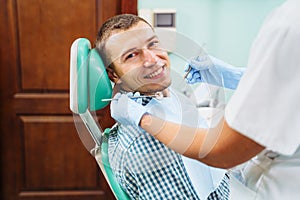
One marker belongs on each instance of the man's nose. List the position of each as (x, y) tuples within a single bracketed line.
[(149, 57)]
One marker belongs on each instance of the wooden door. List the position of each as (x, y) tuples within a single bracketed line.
[(42, 157)]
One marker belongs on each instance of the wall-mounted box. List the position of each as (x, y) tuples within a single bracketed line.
[(164, 18), (159, 18)]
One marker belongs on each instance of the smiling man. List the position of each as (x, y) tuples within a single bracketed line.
[(137, 60), (144, 167)]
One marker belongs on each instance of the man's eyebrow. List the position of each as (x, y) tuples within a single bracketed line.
[(151, 38)]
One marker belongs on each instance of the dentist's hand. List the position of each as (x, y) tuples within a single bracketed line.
[(195, 68), (126, 111), (205, 68)]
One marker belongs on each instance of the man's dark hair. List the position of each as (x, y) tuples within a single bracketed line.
[(115, 24)]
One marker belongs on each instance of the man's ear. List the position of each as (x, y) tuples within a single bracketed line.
[(112, 75)]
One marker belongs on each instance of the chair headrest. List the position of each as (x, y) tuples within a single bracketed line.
[(89, 82)]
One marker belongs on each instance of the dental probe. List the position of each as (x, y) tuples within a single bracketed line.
[(157, 95), (188, 71)]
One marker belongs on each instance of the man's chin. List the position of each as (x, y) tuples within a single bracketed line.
[(152, 88)]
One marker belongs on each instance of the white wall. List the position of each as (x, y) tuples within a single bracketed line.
[(226, 28)]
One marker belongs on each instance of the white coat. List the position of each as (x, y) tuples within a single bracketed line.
[(266, 106)]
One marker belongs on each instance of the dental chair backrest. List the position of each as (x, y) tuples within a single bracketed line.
[(89, 81), (89, 84)]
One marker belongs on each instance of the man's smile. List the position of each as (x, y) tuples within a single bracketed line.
[(156, 74)]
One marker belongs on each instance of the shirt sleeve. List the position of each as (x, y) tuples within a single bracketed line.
[(265, 104)]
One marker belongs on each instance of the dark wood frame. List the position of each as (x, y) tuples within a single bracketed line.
[(129, 6)]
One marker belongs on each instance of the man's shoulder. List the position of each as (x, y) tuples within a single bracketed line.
[(125, 137), (137, 141)]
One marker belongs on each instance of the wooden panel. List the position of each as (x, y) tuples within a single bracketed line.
[(45, 39), (54, 104), (54, 157), (107, 9), (47, 103), (65, 195)]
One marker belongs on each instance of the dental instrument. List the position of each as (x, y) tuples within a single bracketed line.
[(157, 95)]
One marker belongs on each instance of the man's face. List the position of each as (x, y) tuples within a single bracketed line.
[(140, 63)]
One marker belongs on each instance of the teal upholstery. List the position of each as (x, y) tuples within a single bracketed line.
[(89, 84), (116, 188)]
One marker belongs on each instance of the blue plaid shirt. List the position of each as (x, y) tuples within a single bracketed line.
[(147, 169)]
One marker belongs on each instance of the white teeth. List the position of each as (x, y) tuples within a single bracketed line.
[(153, 74)]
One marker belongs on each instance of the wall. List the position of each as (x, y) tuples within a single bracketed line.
[(226, 28)]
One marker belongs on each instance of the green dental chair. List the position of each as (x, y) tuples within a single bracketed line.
[(89, 84)]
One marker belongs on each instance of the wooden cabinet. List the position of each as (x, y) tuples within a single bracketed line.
[(42, 157)]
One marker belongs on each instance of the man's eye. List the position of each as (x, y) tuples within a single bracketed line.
[(153, 44), (131, 55)]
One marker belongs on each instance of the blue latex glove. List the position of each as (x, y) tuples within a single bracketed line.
[(125, 110), (211, 70)]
